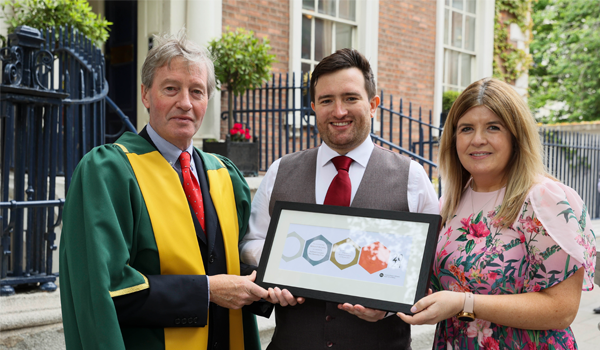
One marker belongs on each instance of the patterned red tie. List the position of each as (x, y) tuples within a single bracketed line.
[(340, 189), (191, 187)]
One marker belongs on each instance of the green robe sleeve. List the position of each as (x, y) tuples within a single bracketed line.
[(97, 235)]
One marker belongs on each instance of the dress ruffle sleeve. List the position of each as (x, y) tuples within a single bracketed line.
[(563, 217)]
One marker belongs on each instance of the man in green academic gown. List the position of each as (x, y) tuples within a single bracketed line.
[(149, 253)]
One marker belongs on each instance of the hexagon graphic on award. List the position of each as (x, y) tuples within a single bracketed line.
[(294, 244), (374, 257), (345, 253), (317, 250)]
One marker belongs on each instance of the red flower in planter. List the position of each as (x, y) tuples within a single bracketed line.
[(239, 134)]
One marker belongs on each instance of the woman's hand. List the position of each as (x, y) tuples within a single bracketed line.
[(435, 307), (551, 308)]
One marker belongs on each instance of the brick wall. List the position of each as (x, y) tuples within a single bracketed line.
[(267, 18), (406, 67), (406, 64)]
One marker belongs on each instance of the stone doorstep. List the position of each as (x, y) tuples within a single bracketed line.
[(48, 337), (30, 310)]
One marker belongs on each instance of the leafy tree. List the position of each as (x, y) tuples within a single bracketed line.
[(242, 62), (566, 70), (41, 14)]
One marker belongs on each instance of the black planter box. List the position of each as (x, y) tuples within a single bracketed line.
[(243, 154)]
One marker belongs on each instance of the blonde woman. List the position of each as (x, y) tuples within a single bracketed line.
[(515, 250)]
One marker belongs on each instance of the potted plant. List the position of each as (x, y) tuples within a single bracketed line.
[(239, 149), (242, 62), (448, 98)]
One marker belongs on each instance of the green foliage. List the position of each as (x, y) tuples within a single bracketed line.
[(448, 98), (242, 61), (41, 14), (510, 62), (565, 53)]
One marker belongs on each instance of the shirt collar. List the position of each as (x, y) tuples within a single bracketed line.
[(359, 155), (169, 151)]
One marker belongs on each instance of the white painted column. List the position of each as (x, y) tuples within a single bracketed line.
[(439, 63), (202, 20), (204, 23)]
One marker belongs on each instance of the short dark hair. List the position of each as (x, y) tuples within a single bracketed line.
[(343, 59)]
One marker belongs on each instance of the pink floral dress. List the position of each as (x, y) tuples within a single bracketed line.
[(549, 242)]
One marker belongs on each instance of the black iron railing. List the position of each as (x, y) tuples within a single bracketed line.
[(52, 111), (574, 158), (281, 119)]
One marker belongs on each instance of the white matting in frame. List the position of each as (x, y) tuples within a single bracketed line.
[(375, 258)]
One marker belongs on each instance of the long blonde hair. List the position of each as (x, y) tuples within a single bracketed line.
[(526, 162)]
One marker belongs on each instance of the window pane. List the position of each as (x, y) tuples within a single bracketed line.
[(348, 9), (343, 36), (452, 74), (457, 4), (465, 70), (457, 29), (446, 26), (471, 6), (323, 31), (306, 35), (327, 7), (447, 2), (308, 4), (305, 68), (470, 33)]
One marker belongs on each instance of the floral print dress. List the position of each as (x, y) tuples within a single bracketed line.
[(549, 242)]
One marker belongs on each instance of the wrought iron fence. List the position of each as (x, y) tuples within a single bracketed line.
[(52, 108), (281, 120), (574, 158)]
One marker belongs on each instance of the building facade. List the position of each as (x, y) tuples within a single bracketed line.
[(417, 48)]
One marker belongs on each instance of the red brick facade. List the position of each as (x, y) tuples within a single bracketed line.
[(406, 66), (267, 18)]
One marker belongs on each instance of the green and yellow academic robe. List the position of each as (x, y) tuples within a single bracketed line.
[(128, 227)]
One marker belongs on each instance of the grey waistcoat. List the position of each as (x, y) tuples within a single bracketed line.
[(317, 324)]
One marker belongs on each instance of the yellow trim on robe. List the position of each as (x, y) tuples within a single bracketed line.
[(180, 254), (129, 290), (221, 191), (123, 148)]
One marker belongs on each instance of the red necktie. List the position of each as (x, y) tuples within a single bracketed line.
[(340, 189), (191, 187)]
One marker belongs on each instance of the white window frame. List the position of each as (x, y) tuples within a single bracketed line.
[(365, 38), (314, 14), (482, 63)]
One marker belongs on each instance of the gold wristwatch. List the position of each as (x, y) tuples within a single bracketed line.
[(467, 314)]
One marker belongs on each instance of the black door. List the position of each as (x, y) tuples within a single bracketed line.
[(121, 64)]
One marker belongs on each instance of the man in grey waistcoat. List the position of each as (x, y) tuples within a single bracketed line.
[(344, 100)]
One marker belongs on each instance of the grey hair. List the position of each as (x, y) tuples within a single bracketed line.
[(167, 47)]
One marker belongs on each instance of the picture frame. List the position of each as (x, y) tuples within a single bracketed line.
[(376, 258)]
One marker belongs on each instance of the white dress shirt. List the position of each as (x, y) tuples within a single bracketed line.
[(420, 193)]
